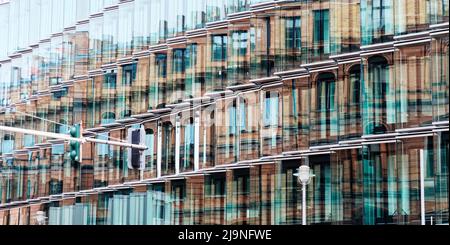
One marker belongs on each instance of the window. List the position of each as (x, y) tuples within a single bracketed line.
[(188, 144), (271, 110), (129, 74), (191, 55), (293, 32), (103, 149), (379, 97), (215, 185), (239, 42), (321, 32), (326, 92), (377, 21), (57, 149), (178, 60), (232, 118), (219, 48), (110, 81), (379, 11), (355, 85), (8, 143), (161, 64)]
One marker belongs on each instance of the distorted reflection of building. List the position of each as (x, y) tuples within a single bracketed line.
[(234, 95)]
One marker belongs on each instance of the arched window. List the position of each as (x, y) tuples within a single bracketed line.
[(326, 90), (380, 99), (232, 113), (167, 157)]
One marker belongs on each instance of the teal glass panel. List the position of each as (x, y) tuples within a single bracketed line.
[(216, 10), (321, 34), (177, 200), (345, 24), (237, 210), (124, 91), (150, 160), (142, 20), (217, 69), (176, 18), (126, 27), (262, 60), (187, 145), (413, 85), (440, 79), (441, 155), (377, 21), (195, 14)]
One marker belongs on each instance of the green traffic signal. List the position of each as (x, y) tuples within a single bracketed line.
[(74, 131)]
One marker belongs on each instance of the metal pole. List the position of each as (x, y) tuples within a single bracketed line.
[(422, 187), (68, 138), (303, 204)]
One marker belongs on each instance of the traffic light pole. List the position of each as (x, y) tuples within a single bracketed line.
[(41, 133), (116, 143), (68, 138)]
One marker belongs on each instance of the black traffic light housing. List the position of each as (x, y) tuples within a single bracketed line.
[(136, 156)]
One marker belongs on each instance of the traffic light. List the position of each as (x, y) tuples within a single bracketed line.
[(75, 146)]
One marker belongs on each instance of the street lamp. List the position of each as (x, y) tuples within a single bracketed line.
[(40, 218), (304, 177)]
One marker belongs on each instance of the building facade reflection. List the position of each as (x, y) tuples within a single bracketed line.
[(234, 95)]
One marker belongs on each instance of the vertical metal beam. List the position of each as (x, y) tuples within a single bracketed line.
[(177, 145), (303, 204), (159, 152), (197, 141), (422, 188)]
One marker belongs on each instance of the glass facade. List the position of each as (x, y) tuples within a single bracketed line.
[(233, 96)]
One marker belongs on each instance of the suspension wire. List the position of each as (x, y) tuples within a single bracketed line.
[(67, 125)]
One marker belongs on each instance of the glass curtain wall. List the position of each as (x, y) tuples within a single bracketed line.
[(377, 21), (378, 96)]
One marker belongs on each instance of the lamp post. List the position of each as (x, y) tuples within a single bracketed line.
[(40, 218), (304, 178)]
